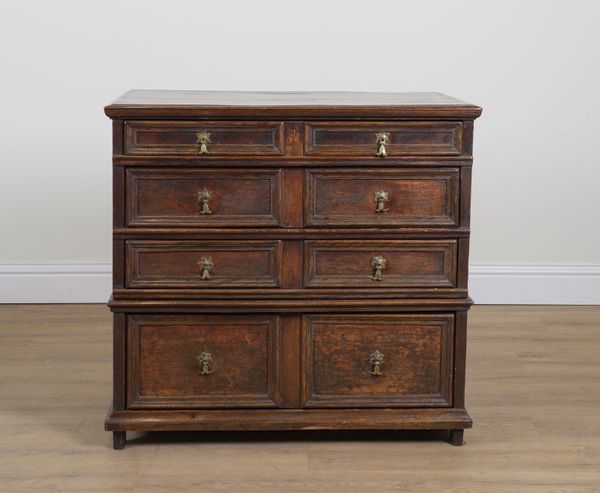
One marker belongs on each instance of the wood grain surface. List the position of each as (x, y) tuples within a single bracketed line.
[(357, 138), (169, 197), (161, 264), (416, 368), (190, 104), (164, 371), (415, 197), (187, 171), (180, 138), (533, 389), (347, 263)]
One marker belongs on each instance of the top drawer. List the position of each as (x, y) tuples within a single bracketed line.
[(383, 139), (184, 138)]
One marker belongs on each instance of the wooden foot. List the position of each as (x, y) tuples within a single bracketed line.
[(456, 437), (119, 438)]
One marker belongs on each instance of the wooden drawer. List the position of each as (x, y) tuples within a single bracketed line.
[(202, 198), (203, 264), (202, 361), (341, 355), (369, 197), (380, 264), (400, 139), (222, 138)]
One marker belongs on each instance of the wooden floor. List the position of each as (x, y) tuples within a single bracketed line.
[(533, 390)]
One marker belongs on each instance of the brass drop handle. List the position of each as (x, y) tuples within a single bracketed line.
[(205, 361), (376, 360), (206, 264), (378, 264), (381, 197), (203, 139), (204, 197), (383, 139)]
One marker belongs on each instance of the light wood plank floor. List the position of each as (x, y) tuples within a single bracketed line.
[(533, 390)]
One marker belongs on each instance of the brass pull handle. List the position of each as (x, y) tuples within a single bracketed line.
[(205, 361), (381, 197), (383, 139), (376, 360), (206, 264), (204, 197), (378, 264), (203, 139)]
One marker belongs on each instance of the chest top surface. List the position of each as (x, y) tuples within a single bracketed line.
[(191, 104)]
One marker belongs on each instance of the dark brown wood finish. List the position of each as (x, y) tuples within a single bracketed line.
[(290, 361), (166, 368), (342, 139), (119, 360), (177, 263), (292, 233), (326, 105), (290, 419), (167, 197), (256, 244), (309, 294), (119, 438), (460, 358), (118, 264), (294, 304), (291, 198), (408, 263), (415, 369), (181, 138), (414, 197)]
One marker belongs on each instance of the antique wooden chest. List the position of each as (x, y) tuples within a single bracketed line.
[(288, 261)]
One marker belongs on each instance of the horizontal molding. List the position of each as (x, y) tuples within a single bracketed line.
[(527, 284), (536, 269), (63, 282), (535, 284)]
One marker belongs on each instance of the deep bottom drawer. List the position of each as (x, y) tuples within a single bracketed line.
[(378, 360), (202, 361)]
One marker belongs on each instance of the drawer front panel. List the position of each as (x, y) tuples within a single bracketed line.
[(202, 361), (380, 264), (401, 139), (203, 264), (182, 138), (203, 198), (400, 197), (378, 360)]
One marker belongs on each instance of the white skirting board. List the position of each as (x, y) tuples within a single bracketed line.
[(535, 284), (532, 284), (67, 282)]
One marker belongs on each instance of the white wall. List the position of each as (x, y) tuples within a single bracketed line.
[(532, 65)]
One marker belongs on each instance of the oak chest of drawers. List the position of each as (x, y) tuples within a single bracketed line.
[(290, 261)]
